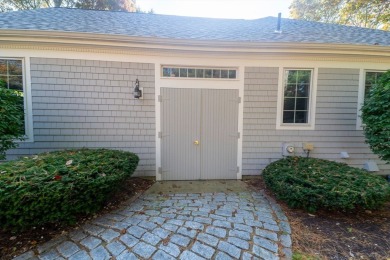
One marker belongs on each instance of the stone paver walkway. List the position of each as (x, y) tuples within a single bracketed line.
[(191, 226)]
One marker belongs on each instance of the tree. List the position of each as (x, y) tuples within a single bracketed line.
[(5, 7), (139, 10), (9, 5), (315, 10), (373, 14), (11, 119), (112, 5), (376, 117)]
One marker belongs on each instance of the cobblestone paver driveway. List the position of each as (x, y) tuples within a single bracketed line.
[(180, 226)]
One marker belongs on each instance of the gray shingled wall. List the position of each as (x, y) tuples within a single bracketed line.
[(335, 129), (82, 103)]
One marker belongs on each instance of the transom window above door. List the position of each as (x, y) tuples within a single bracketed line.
[(198, 72)]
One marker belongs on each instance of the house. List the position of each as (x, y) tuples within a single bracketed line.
[(220, 98)]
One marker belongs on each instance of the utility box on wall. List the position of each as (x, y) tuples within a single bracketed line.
[(288, 149), (307, 146)]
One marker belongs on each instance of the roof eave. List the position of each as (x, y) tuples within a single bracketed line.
[(109, 40)]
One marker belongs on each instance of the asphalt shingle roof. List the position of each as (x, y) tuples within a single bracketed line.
[(180, 27)]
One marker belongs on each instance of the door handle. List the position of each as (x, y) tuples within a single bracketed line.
[(196, 142)]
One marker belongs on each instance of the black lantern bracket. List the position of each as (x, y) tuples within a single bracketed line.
[(138, 90)]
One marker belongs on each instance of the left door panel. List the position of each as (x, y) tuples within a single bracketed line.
[(180, 125)]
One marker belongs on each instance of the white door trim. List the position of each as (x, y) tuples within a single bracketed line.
[(161, 82)]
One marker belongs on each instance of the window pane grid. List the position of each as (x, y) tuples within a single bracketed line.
[(296, 96), (371, 79), (184, 72), (11, 77), (11, 74)]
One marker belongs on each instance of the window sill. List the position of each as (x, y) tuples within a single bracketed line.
[(295, 127)]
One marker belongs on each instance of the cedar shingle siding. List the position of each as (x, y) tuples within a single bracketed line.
[(82, 103), (335, 128)]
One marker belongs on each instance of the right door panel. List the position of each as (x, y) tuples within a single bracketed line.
[(219, 134)]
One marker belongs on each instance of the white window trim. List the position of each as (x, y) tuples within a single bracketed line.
[(362, 86), (28, 101), (28, 118), (312, 101)]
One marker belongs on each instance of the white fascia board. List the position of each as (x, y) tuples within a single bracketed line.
[(362, 76), (120, 41)]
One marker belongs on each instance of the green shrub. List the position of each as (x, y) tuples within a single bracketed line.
[(11, 118), (376, 117), (59, 186), (314, 183)]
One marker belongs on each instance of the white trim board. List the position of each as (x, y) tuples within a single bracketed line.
[(199, 60), (28, 104), (204, 83), (72, 39)]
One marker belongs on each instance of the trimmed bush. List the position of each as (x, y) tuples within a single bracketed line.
[(59, 186), (312, 184), (376, 117)]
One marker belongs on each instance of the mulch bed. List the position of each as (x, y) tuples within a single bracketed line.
[(12, 244), (336, 235)]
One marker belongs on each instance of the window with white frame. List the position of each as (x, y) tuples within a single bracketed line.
[(371, 78), (368, 79), (297, 84), (11, 77)]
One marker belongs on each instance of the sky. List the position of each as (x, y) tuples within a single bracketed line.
[(236, 9)]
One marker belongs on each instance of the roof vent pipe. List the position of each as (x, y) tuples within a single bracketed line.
[(278, 28)]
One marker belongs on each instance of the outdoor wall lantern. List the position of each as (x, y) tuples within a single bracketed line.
[(137, 90)]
